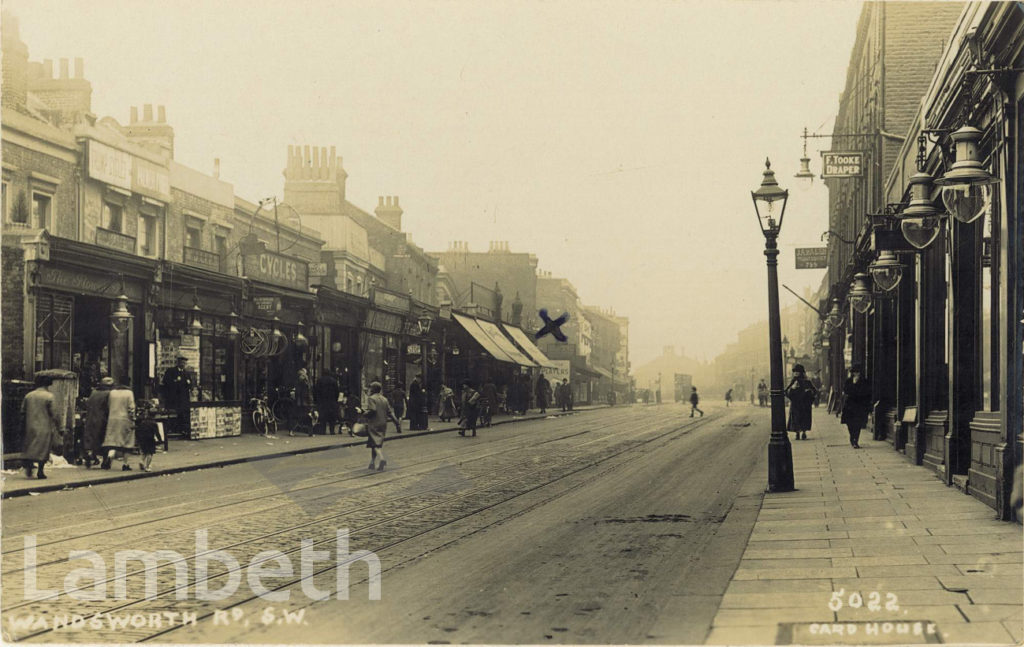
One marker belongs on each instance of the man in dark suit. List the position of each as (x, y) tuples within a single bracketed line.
[(325, 393), (177, 387)]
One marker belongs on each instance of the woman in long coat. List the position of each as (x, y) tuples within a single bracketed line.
[(96, 421), (801, 394), (856, 404), (120, 434), (378, 413), (39, 412)]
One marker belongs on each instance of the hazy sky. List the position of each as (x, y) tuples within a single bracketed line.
[(617, 141)]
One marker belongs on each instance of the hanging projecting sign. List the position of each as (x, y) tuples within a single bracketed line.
[(837, 164), (810, 258)]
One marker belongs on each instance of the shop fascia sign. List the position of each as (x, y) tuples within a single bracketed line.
[(277, 269), (391, 301), (839, 164), (124, 170)]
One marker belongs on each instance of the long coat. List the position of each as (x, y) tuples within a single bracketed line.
[(543, 391), (801, 394), (856, 403), (95, 418), (120, 420), (39, 410), (378, 412)]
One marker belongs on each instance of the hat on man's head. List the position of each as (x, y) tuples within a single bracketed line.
[(798, 368), (107, 381)]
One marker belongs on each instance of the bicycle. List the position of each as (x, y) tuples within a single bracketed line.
[(262, 418)]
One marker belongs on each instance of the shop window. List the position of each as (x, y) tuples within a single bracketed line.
[(149, 235), (53, 331), (113, 217), (42, 205)]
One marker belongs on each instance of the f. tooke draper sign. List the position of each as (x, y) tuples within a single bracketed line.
[(838, 164), (269, 267)]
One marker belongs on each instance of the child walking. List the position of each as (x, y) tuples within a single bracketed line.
[(694, 401), (147, 434)]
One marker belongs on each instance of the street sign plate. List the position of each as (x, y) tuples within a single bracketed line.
[(809, 258), (318, 269)]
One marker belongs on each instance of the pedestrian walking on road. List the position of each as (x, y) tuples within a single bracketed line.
[(801, 394), (398, 401), (96, 421), (417, 398), (762, 393), (543, 393), (378, 413), (325, 393), (39, 411), (728, 398), (694, 401), (147, 434), (856, 404), (120, 435), (470, 408)]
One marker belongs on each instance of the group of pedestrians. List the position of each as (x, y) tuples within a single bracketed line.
[(803, 394)]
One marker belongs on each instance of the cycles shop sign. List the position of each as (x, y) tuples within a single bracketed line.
[(276, 269), (836, 164)]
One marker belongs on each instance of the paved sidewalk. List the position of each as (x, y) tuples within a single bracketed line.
[(185, 455), (872, 549)]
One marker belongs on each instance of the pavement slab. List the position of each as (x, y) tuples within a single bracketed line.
[(901, 546)]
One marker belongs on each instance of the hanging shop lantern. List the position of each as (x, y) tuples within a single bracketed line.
[(860, 293), (920, 221), (886, 270), (967, 186)]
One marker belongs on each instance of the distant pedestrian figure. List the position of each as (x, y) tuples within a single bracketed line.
[(378, 413), (39, 411), (542, 390), (567, 394), (856, 404), (120, 435), (96, 421), (762, 393), (816, 381), (417, 399), (801, 394), (728, 398), (147, 434), (325, 393), (488, 402), (694, 401), (446, 407), (470, 408), (398, 400)]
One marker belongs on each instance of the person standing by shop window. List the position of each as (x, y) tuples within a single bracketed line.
[(543, 393), (416, 399), (470, 408), (326, 394), (177, 387), (303, 404), (120, 436), (96, 421), (398, 400), (856, 404), (39, 411)]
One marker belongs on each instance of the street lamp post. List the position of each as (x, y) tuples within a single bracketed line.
[(769, 203)]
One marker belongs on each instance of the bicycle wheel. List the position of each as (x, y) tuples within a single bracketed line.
[(259, 421), (284, 409)]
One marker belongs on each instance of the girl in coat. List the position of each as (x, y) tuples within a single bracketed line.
[(801, 394), (147, 434), (39, 412), (856, 404), (120, 435), (378, 413), (470, 408)]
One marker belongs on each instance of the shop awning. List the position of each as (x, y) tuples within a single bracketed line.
[(529, 347), (471, 326), (505, 344)]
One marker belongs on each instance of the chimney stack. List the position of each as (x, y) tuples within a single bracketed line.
[(147, 113), (161, 115), (389, 212)]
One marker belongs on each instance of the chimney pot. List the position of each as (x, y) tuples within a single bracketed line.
[(47, 68), (396, 200), (380, 201), (63, 68), (147, 112), (316, 157), (305, 155), (161, 114), (135, 114), (79, 68)]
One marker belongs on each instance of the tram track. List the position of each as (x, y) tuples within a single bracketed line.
[(459, 506)]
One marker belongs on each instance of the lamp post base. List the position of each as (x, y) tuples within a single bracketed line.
[(780, 463)]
